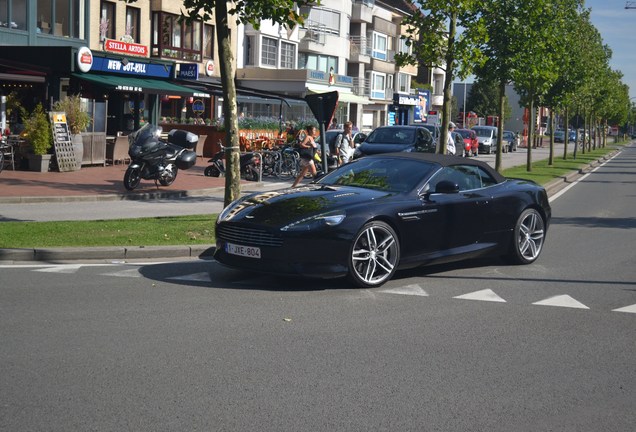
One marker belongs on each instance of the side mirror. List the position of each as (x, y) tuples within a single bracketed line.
[(361, 137), (446, 187)]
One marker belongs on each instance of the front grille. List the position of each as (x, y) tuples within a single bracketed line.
[(247, 236)]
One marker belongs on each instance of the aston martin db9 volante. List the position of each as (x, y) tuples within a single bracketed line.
[(381, 213)]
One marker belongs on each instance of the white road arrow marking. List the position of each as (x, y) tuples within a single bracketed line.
[(483, 295), (628, 309), (131, 273), (195, 277), (62, 268), (414, 290), (561, 301)]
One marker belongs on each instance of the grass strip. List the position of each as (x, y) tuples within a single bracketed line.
[(543, 173), (159, 231)]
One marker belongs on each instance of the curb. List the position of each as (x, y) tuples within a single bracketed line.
[(113, 197), (58, 255)]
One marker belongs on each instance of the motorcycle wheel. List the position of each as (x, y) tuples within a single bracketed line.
[(251, 174), (167, 181), (132, 177), (211, 171)]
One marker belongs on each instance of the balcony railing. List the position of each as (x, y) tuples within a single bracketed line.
[(360, 46), (361, 87)]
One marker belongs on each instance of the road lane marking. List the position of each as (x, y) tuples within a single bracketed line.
[(483, 295), (414, 290), (561, 301), (628, 309)]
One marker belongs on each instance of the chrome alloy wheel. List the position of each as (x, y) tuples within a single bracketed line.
[(529, 236), (375, 255)]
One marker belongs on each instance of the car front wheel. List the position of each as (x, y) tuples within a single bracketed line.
[(528, 237), (374, 256)]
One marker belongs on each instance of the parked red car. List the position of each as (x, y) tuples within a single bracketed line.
[(471, 145)]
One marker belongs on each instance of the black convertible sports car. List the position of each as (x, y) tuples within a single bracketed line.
[(386, 212)]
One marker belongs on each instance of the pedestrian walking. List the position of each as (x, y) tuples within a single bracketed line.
[(307, 151)]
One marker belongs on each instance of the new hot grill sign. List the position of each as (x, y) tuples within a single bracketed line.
[(127, 48)]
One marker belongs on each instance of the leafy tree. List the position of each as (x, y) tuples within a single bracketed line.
[(283, 12), (482, 99), (432, 31), (536, 53)]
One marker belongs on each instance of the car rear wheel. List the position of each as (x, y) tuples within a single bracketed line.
[(374, 256), (528, 237)]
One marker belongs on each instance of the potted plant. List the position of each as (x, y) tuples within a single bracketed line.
[(77, 121), (37, 131)]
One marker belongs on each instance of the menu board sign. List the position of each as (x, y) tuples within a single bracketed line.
[(64, 151)]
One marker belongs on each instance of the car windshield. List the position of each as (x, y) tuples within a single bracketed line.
[(483, 132), (391, 135), (387, 174), (464, 133)]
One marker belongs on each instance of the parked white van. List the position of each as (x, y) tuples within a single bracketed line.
[(487, 137)]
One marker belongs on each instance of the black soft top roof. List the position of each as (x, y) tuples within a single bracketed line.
[(444, 161)]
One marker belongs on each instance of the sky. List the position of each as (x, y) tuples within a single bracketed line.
[(617, 28)]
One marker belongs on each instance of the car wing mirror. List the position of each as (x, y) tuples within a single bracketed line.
[(446, 187)]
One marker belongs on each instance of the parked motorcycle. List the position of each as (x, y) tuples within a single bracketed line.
[(250, 165), (151, 158)]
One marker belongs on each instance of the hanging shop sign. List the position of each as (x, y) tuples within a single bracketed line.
[(84, 59), (198, 107), (209, 68), (188, 71), (128, 48), (400, 99)]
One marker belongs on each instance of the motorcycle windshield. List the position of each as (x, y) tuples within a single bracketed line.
[(146, 139), (148, 133)]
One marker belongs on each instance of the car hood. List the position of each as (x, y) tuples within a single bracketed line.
[(377, 148), (279, 208)]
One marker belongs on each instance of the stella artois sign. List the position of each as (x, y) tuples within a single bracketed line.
[(127, 48)]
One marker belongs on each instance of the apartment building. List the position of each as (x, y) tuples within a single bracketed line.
[(347, 46)]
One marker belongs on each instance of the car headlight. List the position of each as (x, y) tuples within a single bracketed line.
[(316, 221)]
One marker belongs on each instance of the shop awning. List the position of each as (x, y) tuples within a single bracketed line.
[(140, 85), (344, 97)]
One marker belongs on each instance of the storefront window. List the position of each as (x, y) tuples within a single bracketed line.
[(13, 14)]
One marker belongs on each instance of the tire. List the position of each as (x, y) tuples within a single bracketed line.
[(374, 256), (251, 174), (528, 238), (167, 181), (132, 177), (211, 171)]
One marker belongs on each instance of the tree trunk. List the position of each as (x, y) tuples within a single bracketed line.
[(566, 139), (448, 82), (500, 126), (552, 124), (531, 127), (230, 116)]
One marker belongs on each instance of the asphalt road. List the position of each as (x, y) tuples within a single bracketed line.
[(478, 346)]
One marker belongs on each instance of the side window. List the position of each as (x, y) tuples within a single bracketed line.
[(466, 177), (486, 179)]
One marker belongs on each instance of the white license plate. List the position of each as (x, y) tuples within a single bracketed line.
[(245, 251)]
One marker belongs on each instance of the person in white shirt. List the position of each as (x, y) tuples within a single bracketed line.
[(346, 145), (450, 143)]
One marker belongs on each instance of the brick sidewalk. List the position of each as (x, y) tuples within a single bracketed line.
[(98, 181)]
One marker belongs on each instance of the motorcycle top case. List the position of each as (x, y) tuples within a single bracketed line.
[(186, 160), (183, 138)]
